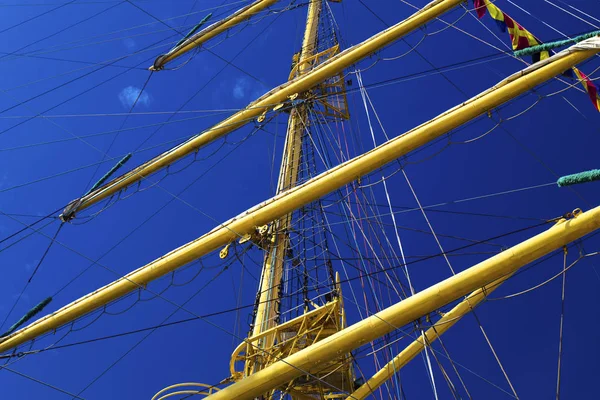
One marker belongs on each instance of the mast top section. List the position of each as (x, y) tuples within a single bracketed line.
[(271, 100)]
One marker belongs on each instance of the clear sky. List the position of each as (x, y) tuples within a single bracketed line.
[(71, 71)]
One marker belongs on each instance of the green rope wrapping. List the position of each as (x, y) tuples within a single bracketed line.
[(109, 173), (582, 177), (549, 46), (194, 30), (30, 314)]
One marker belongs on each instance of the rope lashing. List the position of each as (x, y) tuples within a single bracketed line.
[(582, 177), (109, 173), (552, 45), (30, 314), (193, 30)]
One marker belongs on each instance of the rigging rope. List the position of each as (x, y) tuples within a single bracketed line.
[(62, 30), (41, 305), (447, 261), (562, 319), (37, 16), (364, 96), (74, 396)]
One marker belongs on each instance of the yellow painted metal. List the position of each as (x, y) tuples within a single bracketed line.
[(269, 341), (300, 326), (331, 93), (212, 31), (412, 350), (402, 313), (202, 390), (308, 59), (309, 191), (269, 293), (265, 103), (295, 335), (267, 310)]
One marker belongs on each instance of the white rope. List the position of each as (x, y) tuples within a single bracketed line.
[(353, 223), (365, 95), (385, 188), (442, 251), (580, 11), (540, 20), (562, 319), (571, 14), (429, 365), (539, 285), (364, 98), (428, 222)]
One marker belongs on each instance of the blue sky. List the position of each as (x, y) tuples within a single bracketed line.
[(48, 161)]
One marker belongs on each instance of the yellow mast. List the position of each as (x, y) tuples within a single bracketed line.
[(267, 102), (288, 175), (212, 31), (309, 360), (315, 188), (270, 340)]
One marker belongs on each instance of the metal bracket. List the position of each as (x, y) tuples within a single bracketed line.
[(69, 211), (570, 215), (259, 236), (262, 117), (224, 252)]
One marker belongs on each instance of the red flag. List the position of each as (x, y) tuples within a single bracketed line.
[(479, 7), (589, 87)]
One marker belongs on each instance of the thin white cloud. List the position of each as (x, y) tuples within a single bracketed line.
[(240, 88), (4, 180), (128, 96), (129, 43), (245, 88)]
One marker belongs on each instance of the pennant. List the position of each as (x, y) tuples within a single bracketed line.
[(521, 38), (589, 87), (540, 56), (479, 7)]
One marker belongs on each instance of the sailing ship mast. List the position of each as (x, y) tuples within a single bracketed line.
[(267, 310), (288, 356), (270, 341)]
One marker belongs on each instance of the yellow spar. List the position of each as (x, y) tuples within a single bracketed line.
[(265, 103), (211, 32), (412, 350), (321, 185)]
